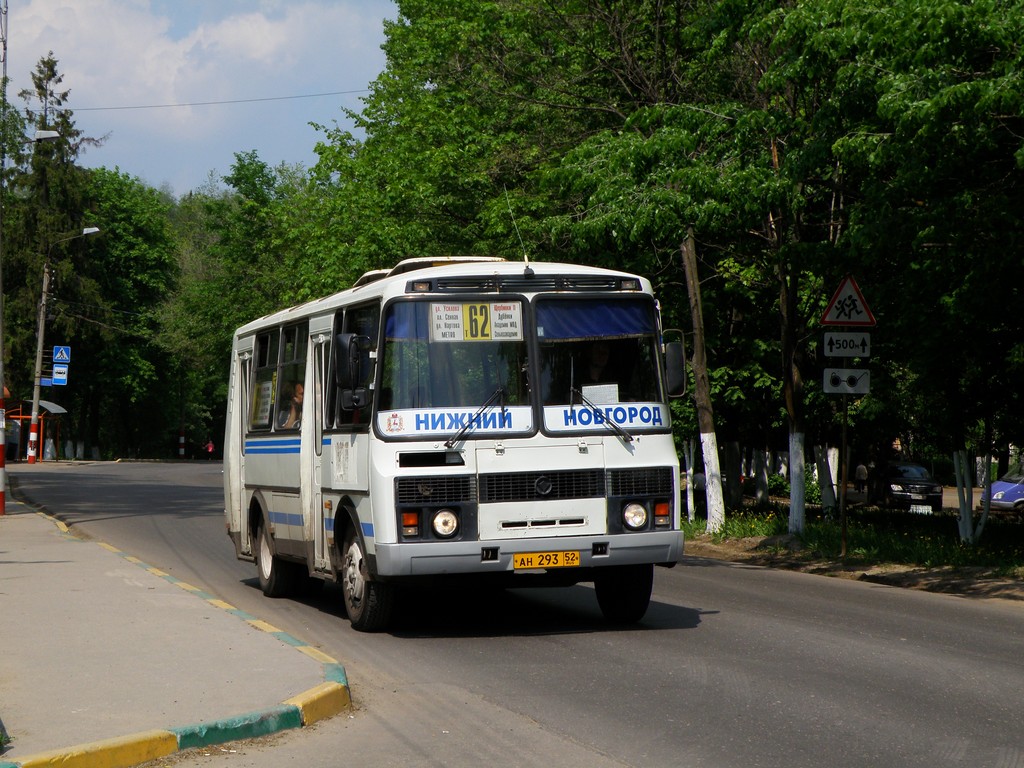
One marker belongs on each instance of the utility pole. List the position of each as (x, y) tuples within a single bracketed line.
[(33, 436), (702, 392)]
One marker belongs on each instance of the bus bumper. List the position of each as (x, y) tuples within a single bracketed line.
[(468, 557)]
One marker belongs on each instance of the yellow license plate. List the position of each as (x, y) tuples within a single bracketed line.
[(564, 559)]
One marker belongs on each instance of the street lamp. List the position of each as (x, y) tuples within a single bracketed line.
[(33, 435), (37, 138)]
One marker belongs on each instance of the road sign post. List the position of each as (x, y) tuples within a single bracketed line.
[(849, 309)]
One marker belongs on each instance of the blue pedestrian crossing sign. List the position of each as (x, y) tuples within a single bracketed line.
[(62, 354)]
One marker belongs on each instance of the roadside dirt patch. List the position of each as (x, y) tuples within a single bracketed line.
[(786, 552)]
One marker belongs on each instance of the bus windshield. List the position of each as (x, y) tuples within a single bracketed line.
[(449, 364), (452, 355), (597, 351)]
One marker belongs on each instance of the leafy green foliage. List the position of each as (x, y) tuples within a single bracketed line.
[(800, 142)]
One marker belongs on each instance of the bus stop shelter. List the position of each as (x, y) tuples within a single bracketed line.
[(19, 419)]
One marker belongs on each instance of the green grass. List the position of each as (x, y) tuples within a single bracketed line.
[(741, 525), (876, 537)]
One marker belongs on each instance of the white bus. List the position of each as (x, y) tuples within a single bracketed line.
[(452, 418)]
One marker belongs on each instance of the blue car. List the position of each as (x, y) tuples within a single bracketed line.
[(1008, 491)]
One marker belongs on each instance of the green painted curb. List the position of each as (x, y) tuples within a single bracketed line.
[(248, 726)]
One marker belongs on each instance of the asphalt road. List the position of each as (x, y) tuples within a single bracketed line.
[(733, 665)]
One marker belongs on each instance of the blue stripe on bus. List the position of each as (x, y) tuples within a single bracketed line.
[(295, 518), (273, 446), (286, 518)]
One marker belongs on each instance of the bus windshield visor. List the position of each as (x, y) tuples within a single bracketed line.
[(454, 355)]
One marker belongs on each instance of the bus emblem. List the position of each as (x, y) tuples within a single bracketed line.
[(395, 423), (543, 485)]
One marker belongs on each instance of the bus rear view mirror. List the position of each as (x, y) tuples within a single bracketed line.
[(351, 353), (675, 368)]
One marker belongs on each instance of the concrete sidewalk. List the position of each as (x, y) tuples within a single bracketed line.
[(106, 661)]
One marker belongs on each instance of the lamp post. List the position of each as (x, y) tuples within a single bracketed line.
[(33, 435)]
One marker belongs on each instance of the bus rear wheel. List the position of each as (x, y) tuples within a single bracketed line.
[(624, 592), (277, 578), (369, 603)]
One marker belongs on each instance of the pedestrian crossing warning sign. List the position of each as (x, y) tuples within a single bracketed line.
[(848, 306)]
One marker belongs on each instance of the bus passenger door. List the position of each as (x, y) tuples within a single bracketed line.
[(312, 451), (234, 448)]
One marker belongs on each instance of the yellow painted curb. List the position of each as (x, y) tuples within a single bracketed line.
[(326, 700), (121, 752), (316, 654)]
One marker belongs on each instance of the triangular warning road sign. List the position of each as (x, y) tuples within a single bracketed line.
[(848, 306)]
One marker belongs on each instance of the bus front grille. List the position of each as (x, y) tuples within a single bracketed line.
[(541, 486), (646, 481), (435, 490)]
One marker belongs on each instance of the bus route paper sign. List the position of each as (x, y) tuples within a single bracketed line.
[(848, 306), (476, 321)]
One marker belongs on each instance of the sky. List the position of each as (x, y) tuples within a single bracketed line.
[(177, 87)]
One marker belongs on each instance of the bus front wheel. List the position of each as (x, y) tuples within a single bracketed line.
[(369, 603), (277, 578), (624, 592)]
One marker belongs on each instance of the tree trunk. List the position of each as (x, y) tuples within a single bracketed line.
[(732, 468), (793, 392), (797, 491), (969, 534), (702, 392), (760, 472), (688, 451)]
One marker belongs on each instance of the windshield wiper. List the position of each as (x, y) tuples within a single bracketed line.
[(617, 429), (498, 394)]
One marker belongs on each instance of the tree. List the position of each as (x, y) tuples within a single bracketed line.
[(923, 103), (105, 306), (102, 289)]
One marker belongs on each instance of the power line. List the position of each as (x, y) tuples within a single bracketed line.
[(213, 103)]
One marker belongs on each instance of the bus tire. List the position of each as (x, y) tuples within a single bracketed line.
[(624, 592), (369, 603), (277, 578)]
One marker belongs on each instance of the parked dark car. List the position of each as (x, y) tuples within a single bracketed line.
[(911, 485)]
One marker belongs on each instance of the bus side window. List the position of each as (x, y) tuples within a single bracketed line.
[(292, 376), (264, 381)]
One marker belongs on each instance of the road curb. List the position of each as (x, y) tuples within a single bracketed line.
[(318, 703), (323, 701)]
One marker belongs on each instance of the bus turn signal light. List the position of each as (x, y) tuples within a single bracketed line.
[(410, 524)]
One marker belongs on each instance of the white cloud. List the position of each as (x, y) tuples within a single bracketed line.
[(136, 53)]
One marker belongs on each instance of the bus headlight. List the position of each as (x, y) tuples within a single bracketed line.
[(634, 516), (446, 523)]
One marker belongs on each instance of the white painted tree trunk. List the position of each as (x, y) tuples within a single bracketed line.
[(688, 451), (836, 470), (826, 476), (969, 534), (761, 476), (797, 494), (713, 482)]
